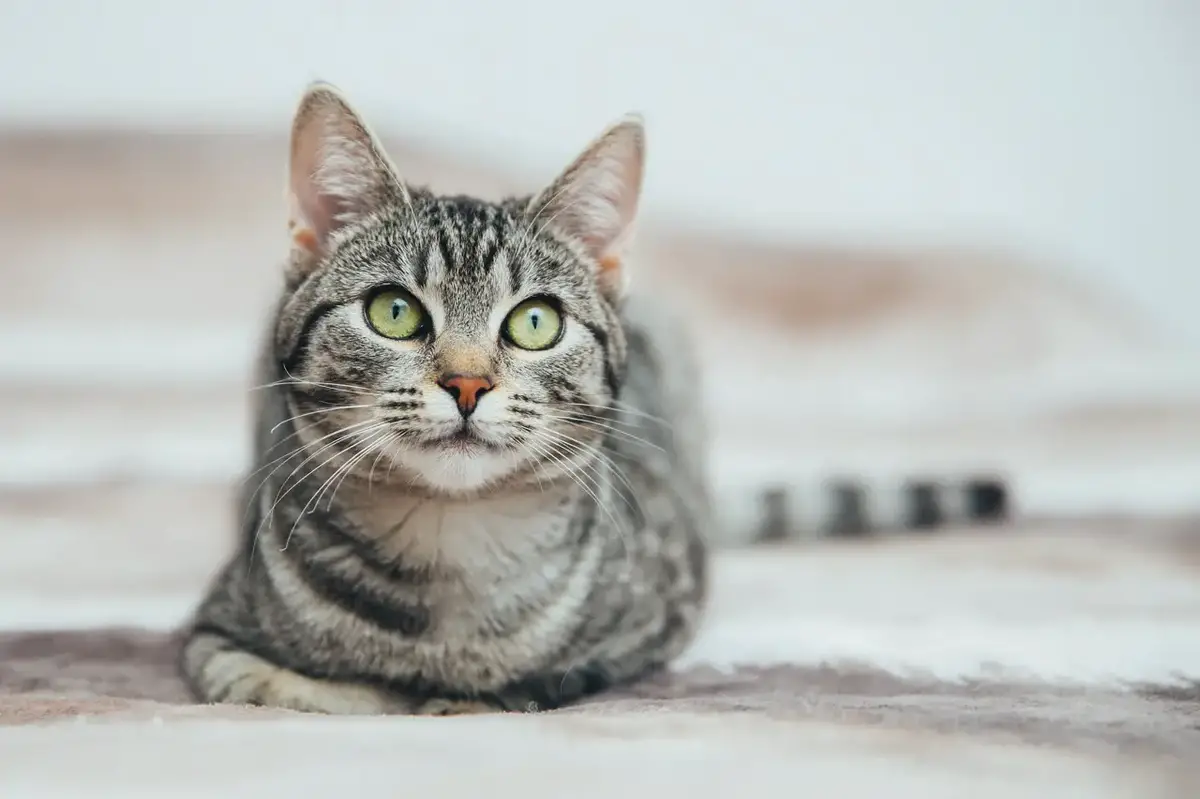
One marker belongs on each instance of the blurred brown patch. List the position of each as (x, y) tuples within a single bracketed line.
[(40, 709), (151, 212)]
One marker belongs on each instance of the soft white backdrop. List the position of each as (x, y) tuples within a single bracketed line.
[(1067, 128)]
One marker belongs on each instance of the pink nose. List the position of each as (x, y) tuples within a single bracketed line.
[(466, 390)]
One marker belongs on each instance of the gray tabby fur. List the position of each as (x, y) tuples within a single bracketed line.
[(384, 569)]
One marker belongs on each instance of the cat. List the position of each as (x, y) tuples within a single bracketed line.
[(480, 472)]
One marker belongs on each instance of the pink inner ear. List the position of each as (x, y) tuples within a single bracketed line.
[(328, 210), (318, 210), (305, 216), (306, 238), (611, 277), (598, 202)]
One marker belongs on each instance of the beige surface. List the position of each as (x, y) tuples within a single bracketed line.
[(626, 754)]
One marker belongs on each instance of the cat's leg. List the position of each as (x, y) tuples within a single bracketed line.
[(532, 695), (557, 689), (455, 707), (220, 672)]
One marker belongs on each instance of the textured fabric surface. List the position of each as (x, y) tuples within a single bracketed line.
[(852, 729), (46, 676)]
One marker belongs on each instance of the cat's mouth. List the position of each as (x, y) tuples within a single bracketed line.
[(466, 440)]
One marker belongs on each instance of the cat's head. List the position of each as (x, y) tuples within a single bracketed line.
[(458, 342)]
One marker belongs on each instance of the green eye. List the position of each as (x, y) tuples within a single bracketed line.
[(396, 314), (533, 325)]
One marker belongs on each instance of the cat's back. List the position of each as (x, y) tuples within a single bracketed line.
[(663, 389)]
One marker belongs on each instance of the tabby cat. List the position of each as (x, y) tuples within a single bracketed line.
[(480, 466)]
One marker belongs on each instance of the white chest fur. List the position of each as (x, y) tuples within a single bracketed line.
[(495, 561)]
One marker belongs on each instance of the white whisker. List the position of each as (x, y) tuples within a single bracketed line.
[(601, 457), (369, 448), (279, 497), (382, 451), (310, 506), (553, 451), (320, 410), (600, 424), (277, 462), (295, 381), (624, 407)]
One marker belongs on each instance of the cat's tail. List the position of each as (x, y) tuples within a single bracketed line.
[(849, 507)]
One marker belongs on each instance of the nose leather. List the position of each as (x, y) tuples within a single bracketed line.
[(466, 390)]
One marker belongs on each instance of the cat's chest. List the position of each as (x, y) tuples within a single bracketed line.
[(491, 565), (488, 590), (509, 583)]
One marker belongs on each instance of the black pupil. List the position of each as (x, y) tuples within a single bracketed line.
[(398, 308), (535, 319)]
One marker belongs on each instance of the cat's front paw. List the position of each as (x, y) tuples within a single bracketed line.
[(286, 689), (455, 707), (221, 672)]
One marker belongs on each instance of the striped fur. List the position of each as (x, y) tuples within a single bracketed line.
[(853, 507), (389, 561)]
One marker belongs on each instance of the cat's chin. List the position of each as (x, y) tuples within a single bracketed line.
[(459, 467)]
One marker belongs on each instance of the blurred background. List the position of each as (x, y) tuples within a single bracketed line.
[(920, 239)]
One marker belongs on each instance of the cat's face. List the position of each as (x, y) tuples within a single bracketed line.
[(459, 343)]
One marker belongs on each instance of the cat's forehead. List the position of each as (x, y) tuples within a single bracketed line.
[(466, 252), (469, 244), (466, 220)]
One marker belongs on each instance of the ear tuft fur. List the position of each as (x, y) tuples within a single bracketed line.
[(594, 201), (337, 173)]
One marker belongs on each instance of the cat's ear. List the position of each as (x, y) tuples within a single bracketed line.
[(337, 172), (594, 201)]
